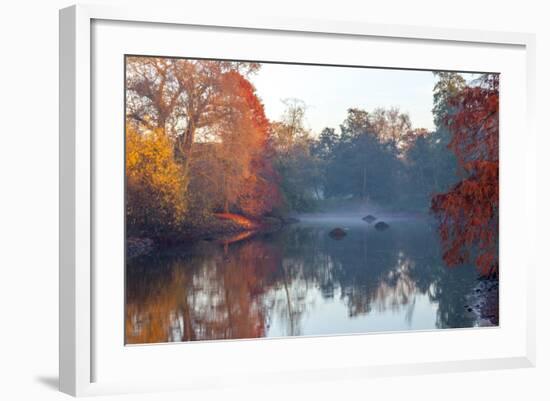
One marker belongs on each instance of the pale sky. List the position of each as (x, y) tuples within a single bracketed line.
[(329, 91)]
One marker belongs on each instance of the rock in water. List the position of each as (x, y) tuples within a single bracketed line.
[(337, 233), (381, 226), (369, 218)]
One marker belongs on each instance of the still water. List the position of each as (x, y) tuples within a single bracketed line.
[(299, 281)]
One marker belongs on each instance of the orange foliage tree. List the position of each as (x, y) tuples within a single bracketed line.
[(201, 124), (181, 96), (241, 169), (260, 191), (468, 213)]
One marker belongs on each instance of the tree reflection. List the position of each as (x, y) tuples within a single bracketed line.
[(198, 294), (227, 290)]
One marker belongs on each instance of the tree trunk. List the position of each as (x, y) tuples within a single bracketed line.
[(184, 147)]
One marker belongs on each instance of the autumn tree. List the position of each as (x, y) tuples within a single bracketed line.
[(180, 96), (154, 182), (247, 181), (231, 163), (216, 126), (468, 213)]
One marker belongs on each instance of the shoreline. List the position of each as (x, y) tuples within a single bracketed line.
[(483, 302), (224, 229)]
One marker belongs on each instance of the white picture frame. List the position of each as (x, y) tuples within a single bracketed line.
[(77, 367)]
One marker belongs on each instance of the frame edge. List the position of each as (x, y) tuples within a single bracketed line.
[(74, 201), (67, 113), (530, 55)]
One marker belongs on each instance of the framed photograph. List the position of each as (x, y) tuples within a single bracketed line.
[(282, 200)]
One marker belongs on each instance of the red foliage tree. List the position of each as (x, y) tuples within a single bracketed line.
[(468, 213), (259, 193)]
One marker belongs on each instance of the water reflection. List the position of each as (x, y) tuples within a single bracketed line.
[(297, 282)]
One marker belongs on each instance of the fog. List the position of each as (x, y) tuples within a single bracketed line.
[(351, 212)]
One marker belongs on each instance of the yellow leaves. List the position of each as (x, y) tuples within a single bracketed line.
[(155, 183)]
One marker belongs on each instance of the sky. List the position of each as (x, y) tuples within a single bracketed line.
[(329, 91)]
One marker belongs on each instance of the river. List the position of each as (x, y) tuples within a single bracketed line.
[(300, 281)]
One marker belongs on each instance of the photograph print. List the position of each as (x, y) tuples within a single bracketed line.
[(277, 200)]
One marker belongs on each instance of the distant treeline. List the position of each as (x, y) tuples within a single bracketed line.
[(198, 143)]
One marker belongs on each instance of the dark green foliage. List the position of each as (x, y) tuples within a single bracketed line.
[(432, 167), (358, 164)]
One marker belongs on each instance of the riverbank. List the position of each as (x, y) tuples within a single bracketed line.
[(483, 302), (219, 226)]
